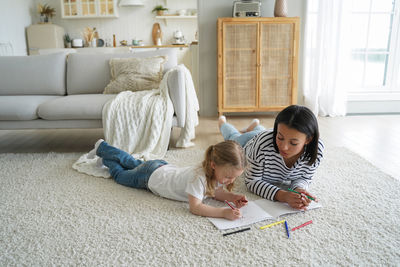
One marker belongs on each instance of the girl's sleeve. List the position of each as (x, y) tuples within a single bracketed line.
[(196, 187)]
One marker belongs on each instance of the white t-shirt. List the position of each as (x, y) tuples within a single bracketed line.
[(176, 183)]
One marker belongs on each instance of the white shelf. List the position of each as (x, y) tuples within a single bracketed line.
[(172, 17), (176, 17)]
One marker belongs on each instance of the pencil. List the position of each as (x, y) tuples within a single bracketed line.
[(271, 224), (302, 225), (291, 190), (229, 204), (238, 231), (287, 229)]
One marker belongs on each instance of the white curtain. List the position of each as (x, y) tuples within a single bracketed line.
[(327, 52)]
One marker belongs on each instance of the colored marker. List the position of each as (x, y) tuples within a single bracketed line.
[(291, 190), (287, 229), (271, 224), (229, 204), (302, 225), (238, 231)]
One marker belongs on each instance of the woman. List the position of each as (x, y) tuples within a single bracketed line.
[(283, 158)]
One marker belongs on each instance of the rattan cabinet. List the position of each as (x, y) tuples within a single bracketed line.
[(257, 64)]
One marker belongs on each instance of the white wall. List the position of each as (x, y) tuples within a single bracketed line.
[(209, 11), (15, 15)]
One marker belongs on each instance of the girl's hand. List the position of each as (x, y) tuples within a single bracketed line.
[(232, 214), (239, 201)]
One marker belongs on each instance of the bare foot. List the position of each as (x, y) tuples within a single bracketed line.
[(221, 120), (254, 123)]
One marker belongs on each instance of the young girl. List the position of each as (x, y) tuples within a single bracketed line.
[(223, 163), (283, 158)]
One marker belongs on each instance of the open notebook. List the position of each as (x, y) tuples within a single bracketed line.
[(256, 211)]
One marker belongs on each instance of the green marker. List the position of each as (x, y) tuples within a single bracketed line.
[(291, 190)]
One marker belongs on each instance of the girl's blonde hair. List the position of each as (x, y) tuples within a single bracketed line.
[(224, 153)]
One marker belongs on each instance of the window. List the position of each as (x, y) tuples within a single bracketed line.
[(375, 49), (352, 55)]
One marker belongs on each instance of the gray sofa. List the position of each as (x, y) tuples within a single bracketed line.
[(59, 91)]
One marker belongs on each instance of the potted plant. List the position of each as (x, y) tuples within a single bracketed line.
[(45, 12), (159, 9), (67, 40)]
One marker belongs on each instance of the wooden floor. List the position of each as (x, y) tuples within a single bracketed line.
[(375, 138)]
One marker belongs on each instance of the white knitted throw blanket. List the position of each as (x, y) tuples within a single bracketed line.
[(192, 107), (140, 124)]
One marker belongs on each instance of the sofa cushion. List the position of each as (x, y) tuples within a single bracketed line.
[(90, 73), (74, 107), (21, 108), (135, 74), (33, 75)]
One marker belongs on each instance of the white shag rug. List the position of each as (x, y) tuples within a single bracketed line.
[(52, 215)]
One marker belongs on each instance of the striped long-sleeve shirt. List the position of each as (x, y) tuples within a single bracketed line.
[(267, 170)]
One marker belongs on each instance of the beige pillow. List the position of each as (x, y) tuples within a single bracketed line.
[(135, 74)]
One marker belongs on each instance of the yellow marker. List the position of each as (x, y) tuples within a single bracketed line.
[(272, 224)]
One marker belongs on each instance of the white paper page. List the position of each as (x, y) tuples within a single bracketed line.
[(277, 209), (252, 213)]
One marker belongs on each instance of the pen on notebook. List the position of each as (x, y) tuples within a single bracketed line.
[(287, 229), (229, 204), (238, 231), (291, 190)]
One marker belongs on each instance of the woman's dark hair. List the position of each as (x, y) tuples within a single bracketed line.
[(303, 120)]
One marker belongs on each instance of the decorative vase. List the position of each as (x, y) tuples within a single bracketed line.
[(44, 19), (93, 43), (280, 9)]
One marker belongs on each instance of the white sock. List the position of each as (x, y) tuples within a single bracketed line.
[(255, 121), (222, 118), (92, 152)]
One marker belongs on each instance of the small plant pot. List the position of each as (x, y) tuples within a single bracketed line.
[(44, 19), (160, 12)]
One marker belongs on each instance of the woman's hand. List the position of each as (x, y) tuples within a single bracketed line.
[(239, 200), (306, 193), (296, 201), (232, 214), (300, 201)]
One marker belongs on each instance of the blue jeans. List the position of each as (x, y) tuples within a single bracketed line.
[(229, 132), (125, 169)]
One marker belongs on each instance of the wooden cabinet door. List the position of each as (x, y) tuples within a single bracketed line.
[(277, 72), (77, 9), (239, 65), (257, 64)]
